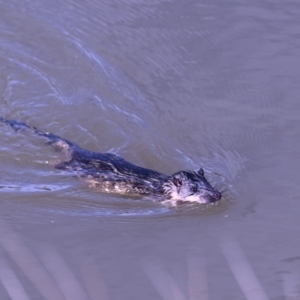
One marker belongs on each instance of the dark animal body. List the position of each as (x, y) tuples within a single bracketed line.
[(111, 173)]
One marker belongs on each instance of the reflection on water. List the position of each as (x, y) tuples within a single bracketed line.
[(52, 278)]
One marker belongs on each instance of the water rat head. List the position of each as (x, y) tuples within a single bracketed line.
[(189, 186)]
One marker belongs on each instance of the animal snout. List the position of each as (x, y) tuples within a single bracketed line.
[(216, 196)]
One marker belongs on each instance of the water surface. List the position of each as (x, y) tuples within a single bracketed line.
[(168, 85)]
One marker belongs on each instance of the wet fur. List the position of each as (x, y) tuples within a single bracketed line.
[(111, 173)]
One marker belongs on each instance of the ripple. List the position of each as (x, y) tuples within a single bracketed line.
[(30, 188)]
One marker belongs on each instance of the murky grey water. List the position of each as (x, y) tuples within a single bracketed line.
[(168, 85)]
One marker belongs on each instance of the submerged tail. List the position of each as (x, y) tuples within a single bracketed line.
[(54, 140)]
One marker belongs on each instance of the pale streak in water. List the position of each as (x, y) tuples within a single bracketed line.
[(242, 270), (62, 284)]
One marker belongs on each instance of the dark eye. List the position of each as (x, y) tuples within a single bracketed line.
[(194, 189)]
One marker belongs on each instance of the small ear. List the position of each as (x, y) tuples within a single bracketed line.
[(201, 172), (177, 182)]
